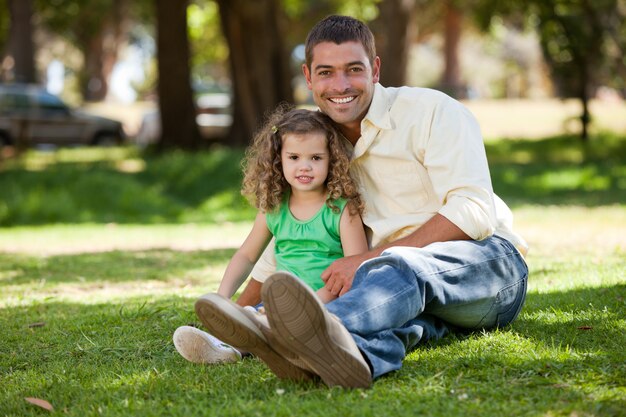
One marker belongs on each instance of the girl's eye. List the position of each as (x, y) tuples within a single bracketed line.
[(293, 157), (317, 158)]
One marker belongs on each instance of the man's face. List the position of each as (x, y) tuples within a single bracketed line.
[(342, 81)]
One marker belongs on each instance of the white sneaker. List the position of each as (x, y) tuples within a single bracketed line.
[(198, 346)]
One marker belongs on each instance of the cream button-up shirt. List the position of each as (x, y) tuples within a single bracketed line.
[(421, 153)]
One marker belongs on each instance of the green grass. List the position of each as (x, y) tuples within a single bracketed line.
[(120, 185), (88, 306)]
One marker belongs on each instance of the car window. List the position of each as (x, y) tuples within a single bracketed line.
[(12, 101), (49, 102)]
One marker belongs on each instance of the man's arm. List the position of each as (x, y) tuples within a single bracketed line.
[(339, 275)]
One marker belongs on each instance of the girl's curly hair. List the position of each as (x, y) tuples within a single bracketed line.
[(264, 183)]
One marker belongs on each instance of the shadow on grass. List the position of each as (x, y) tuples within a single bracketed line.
[(559, 171), (592, 319), (126, 187), (108, 267), (170, 188), (568, 343), (118, 355)]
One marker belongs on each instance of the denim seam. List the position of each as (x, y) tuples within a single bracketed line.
[(466, 266), (497, 302)]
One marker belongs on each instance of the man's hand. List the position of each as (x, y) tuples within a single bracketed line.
[(339, 275)]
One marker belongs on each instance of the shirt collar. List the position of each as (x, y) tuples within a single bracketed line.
[(378, 113)]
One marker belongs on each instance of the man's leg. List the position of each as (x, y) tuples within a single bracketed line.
[(410, 294)]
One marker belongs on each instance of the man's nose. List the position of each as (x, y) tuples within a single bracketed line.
[(341, 82)]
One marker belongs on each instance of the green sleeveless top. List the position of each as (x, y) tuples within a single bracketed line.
[(306, 248)]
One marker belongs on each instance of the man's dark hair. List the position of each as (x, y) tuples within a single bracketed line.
[(340, 29)]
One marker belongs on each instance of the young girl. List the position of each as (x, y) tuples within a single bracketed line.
[(297, 175)]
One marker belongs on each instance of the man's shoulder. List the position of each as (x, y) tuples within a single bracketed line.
[(417, 96)]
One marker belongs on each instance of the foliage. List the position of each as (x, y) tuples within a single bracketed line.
[(560, 170), (91, 334), (583, 41), (75, 20), (102, 186), (88, 310), (121, 185), (4, 25), (209, 49)]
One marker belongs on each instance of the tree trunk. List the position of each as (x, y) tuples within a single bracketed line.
[(20, 45), (101, 51), (585, 117), (394, 30), (259, 63), (176, 103), (451, 81)]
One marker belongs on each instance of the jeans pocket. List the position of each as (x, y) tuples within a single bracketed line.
[(507, 305)]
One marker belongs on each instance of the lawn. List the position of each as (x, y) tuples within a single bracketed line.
[(102, 254)]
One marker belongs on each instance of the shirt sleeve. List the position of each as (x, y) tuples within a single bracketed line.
[(457, 166), (266, 265)]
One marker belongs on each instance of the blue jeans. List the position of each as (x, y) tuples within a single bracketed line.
[(409, 295)]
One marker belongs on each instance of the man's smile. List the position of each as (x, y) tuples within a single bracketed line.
[(342, 100)]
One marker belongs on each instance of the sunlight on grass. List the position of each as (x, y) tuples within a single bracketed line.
[(105, 251), (587, 179), (87, 238)]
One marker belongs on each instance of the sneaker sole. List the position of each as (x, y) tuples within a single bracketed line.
[(271, 340), (298, 319), (228, 322), (194, 346)]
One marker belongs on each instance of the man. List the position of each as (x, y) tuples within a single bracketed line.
[(443, 257)]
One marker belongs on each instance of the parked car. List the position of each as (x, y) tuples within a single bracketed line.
[(214, 118), (30, 114)]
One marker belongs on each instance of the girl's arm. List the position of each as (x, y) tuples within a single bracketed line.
[(243, 260), (353, 241)]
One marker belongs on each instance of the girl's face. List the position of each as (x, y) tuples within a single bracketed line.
[(305, 160)]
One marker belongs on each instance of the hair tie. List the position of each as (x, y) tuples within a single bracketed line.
[(274, 129)]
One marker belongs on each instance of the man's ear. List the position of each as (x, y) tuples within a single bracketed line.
[(307, 76), (376, 70)]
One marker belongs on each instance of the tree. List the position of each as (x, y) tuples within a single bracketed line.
[(21, 48), (402, 23), (582, 42), (97, 28), (4, 27), (178, 112), (451, 81), (259, 63), (394, 29)]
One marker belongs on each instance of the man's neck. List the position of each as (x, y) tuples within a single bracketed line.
[(352, 132)]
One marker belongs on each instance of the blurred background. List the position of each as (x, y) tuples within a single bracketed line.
[(182, 85), (185, 73)]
